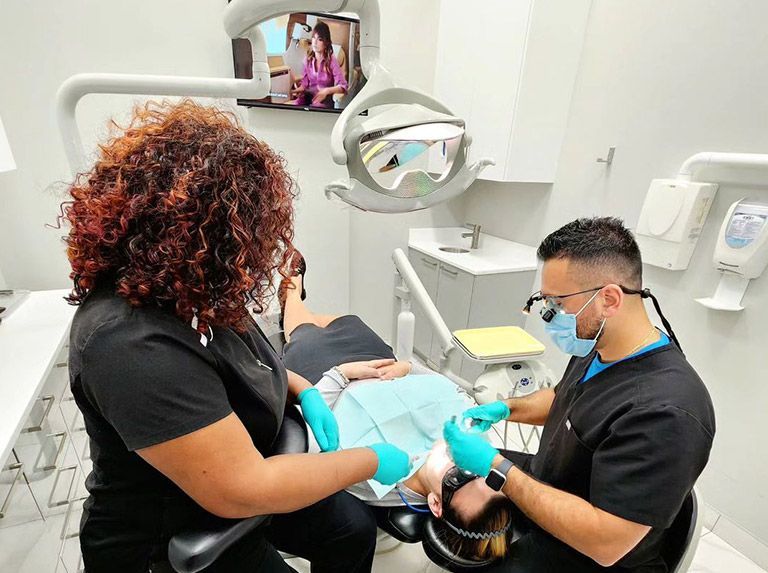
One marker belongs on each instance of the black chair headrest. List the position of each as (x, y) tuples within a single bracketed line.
[(402, 523), (440, 554)]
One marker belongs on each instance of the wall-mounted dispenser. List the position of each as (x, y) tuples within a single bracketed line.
[(675, 210), (741, 253), (671, 220)]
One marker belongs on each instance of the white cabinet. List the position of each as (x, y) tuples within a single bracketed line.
[(508, 68), (465, 300), (42, 479)]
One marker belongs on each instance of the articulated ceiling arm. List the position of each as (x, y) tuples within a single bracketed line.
[(80, 85)]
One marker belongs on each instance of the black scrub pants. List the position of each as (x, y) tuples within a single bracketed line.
[(337, 535)]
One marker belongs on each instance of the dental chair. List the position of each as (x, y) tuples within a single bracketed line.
[(193, 551), (682, 538)]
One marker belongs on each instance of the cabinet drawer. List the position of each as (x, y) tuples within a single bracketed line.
[(17, 504), (70, 558), (40, 422), (454, 296)]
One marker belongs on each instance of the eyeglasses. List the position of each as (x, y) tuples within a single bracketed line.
[(553, 305), (453, 480)]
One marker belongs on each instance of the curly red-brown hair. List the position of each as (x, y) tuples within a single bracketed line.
[(184, 210)]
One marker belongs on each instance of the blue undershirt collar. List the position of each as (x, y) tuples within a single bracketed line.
[(597, 366)]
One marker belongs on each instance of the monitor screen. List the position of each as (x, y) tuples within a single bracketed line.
[(314, 62)]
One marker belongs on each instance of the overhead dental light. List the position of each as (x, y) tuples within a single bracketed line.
[(408, 157), (408, 153)]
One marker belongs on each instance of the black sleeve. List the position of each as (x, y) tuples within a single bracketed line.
[(647, 465), (151, 384)]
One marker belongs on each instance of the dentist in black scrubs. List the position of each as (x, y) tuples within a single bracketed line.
[(180, 224), (627, 431)]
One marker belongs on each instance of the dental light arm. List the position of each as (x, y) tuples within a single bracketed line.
[(414, 186), (80, 85), (419, 295)]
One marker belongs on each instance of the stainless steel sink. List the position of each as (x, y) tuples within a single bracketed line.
[(453, 250)]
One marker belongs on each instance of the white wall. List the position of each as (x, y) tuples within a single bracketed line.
[(662, 80)]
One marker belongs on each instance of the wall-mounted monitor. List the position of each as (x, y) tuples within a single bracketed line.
[(314, 62)]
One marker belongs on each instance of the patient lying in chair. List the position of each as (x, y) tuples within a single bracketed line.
[(375, 399)]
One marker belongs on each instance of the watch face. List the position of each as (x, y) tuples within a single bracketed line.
[(495, 480)]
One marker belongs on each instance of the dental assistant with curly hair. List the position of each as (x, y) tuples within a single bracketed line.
[(176, 232)]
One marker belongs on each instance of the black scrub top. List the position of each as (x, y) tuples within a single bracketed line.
[(632, 441), (142, 377)]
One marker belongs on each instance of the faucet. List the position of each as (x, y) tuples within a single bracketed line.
[(475, 234)]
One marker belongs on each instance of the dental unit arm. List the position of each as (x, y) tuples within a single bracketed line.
[(413, 118), (513, 371)]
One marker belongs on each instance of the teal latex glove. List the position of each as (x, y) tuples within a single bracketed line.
[(394, 463), (469, 451), (320, 419), (483, 416)]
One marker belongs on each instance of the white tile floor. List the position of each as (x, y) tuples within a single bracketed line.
[(715, 556), (712, 556), (24, 553)]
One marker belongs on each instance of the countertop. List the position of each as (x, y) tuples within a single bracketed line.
[(493, 255), (30, 340)]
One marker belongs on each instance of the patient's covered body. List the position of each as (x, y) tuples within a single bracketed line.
[(314, 350), (408, 412)]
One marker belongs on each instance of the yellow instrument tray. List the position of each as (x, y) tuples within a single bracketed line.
[(498, 342)]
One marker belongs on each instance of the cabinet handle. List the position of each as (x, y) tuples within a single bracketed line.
[(450, 272), (39, 426), (52, 503), (59, 451), (62, 364), (64, 535), (64, 567), (432, 264), (78, 414), (7, 501)]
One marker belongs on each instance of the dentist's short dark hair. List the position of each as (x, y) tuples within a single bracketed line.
[(601, 244)]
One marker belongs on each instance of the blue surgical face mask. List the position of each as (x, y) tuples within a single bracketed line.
[(562, 331)]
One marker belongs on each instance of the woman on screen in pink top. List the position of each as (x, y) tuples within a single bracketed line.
[(323, 75)]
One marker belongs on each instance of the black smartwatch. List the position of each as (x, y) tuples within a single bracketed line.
[(498, 476)]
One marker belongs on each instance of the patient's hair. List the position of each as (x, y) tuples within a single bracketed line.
[(603, 246), (496, 515), (185, 210)]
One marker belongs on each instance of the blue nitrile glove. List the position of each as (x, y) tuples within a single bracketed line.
[(483, 416), (394, 463), (320, 418), (469, 451)]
